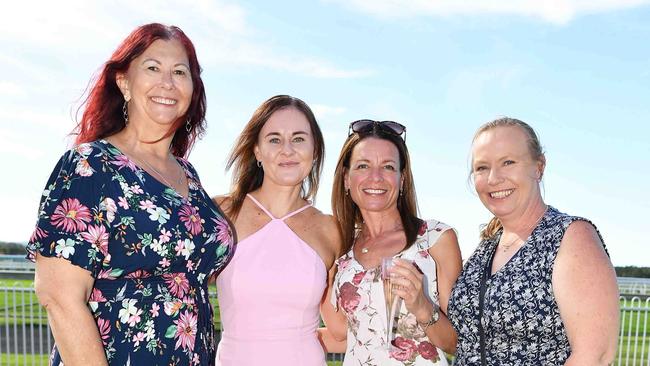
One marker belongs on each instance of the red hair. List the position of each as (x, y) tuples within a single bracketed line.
[(102, 116)]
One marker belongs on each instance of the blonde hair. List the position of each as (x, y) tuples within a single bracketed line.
[(490, 229)]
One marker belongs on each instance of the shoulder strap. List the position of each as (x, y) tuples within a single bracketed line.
[(301, 209), (260, 205)]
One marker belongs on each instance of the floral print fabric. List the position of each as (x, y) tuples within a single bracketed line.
[(521, 319), (359, 292), (150, 250)]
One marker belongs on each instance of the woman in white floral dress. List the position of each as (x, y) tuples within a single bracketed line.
[(374, 201)]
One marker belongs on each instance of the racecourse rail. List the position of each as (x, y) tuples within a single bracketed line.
[(26, 339)]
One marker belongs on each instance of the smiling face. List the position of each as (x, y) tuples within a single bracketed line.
[(374, 177), (506, 177), (158, 84), (285, 147)]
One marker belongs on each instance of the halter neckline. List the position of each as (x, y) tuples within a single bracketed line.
[(271, 215)]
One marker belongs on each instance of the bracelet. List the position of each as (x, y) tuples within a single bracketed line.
[(435, 316)]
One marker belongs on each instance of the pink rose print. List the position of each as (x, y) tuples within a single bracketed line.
[(71, 215), (423, 253), (356, 280), (406, 349), (428, 351), (185, 331), (349, 298), (422, 229), (343, 264), (190, 217)]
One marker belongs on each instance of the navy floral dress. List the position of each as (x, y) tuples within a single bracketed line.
[(150, 250), (520, 318)]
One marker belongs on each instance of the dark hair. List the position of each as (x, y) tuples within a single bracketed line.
[(347, 212), (534, 148), (102, 116), (247, 176)]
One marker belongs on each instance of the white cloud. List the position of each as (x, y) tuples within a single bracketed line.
[(219, 30), (553, 11)]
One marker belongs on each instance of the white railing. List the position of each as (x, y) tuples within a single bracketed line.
[(25, 337), (633, 286)]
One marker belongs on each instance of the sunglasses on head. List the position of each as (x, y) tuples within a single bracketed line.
[(368, 125)]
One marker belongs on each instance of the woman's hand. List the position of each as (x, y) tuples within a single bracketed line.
[(407, 283)]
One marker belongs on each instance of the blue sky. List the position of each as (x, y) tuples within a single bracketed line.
[(577, 71)]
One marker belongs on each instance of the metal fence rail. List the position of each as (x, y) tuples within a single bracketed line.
[(25, 336), (633, 286)]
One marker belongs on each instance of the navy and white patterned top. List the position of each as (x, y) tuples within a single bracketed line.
[(521, 319), (150, 250)]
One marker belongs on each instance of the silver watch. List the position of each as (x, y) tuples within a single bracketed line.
[(435, 315)]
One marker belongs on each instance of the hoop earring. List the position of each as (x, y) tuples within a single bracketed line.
[(188, 126), (125, 112), (259, 164)]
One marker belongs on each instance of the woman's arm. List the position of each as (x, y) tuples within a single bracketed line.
[(334, 334), (63, 289), (584, 285), (446, 254)]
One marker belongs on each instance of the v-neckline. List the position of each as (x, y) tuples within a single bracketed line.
[(138, 167)]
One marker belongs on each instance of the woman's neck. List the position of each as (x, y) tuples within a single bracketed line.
[(279, 200), (130, 140), (523, 224), (378, 223)]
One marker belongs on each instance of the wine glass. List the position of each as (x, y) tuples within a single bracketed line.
[(390, 299)]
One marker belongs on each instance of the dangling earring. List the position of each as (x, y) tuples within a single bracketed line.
[(347, 192), (259, 164), (125, 111), (401, 192), (188, 126)]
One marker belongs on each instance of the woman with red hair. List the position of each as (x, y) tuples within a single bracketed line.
[(126, 237)]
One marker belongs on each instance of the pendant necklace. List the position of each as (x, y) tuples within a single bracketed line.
[(506, 247), (179, 181), (366, 249)]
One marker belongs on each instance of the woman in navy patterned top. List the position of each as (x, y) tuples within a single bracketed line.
[(127, 239), (539, 289)]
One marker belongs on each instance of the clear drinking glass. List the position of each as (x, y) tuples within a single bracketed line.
[(389, 298)]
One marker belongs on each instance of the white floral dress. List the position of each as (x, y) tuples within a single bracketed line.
[(359, 292)]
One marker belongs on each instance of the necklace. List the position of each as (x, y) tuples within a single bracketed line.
[(366, 249), (506, 247), (179, 181)]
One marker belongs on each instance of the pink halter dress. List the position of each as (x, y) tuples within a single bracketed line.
[(269, 299)]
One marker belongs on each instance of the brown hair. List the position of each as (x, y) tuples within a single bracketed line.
[(247, 176), (347, 212), (534, 147)]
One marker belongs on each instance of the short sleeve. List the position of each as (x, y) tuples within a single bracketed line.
[(71, 223), (435, 229)]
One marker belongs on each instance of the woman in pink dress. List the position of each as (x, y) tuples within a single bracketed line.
[(271, 292)]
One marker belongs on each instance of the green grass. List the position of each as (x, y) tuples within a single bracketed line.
[(19, 360)]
